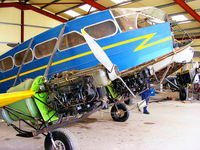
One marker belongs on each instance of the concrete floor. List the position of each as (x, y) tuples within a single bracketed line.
[(172, 125)]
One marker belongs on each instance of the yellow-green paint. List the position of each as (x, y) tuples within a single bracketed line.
[(41, 100)]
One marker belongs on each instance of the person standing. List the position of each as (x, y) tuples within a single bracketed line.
[(145, 99)]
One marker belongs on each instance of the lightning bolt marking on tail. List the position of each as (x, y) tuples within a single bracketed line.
[(148, 37)]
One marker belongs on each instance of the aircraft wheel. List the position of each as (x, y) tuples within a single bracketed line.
[(63, 140), (119, 112)]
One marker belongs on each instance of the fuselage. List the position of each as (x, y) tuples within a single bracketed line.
[(127, 47)]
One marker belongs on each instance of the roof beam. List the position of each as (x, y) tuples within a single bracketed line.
[(187, 8), (124, 3), (189, 0), (195, 35), (46, 13), (166, 5), (187, 38), (95, 4), (16, 24), (187, 29), (4, 5), (181, 13), (30, 7), (73, 7), (48, 4), (62, 11), (195, 45), (61, 3)]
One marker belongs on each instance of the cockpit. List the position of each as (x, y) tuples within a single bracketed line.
[(133, 18)]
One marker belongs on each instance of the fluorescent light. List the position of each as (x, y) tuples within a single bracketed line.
[(72, 13), (125, 3), (87, 7), (182, 22), (179, 18), (118, 1)]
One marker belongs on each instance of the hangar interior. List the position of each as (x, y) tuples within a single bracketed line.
[(171, 124)]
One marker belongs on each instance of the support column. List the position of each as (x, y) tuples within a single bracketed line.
[(22, 25)]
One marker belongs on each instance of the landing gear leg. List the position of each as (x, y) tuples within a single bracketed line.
[(60, 139)]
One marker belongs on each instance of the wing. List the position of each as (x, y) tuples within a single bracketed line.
[(9, 98)]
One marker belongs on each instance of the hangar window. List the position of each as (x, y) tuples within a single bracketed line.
[(100, 30), (45, 49), (71, 40), (20, 56), (6, 64)]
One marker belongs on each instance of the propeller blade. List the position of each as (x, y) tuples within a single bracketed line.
[(103, 59), (9, 98), (98, 52)]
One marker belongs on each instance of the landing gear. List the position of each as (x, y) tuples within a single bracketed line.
[(60, 139), (129, 102), (119, 112)]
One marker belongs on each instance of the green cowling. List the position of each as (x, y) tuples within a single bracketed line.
[(30, 106), (26, 106), (112, 92), (41, 99)]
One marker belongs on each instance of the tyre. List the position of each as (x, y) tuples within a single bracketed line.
[(119, 112), (63, 139), (182, 94)]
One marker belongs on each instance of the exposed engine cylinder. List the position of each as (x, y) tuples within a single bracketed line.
[(75, 96), (137, 83)]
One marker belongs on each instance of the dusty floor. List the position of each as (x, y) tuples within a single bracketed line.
[(172, 125)]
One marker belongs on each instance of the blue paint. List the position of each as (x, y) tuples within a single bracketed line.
[(123, 55)]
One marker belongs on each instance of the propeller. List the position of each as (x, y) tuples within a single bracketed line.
[(102, 57), (9, 98)]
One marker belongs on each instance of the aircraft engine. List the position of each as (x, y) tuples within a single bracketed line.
[(137, 83), (76, 96)]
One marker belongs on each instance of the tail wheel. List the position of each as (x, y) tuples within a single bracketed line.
[(119, 112), (63, 140)]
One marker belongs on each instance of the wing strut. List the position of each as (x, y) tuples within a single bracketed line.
[(54, 50), (23, 61)]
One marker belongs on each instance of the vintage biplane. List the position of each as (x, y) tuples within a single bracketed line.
[(90, 63)]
